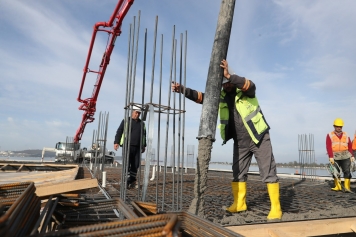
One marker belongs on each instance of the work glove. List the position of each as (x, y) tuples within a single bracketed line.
[(352, 159), (331, 160)]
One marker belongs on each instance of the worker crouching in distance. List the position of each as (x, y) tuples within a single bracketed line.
[(242, 120), (339, 148)]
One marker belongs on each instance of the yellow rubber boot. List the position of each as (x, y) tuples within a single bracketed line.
[(337, 185), (347, 185), (239, 193), (276, 211)]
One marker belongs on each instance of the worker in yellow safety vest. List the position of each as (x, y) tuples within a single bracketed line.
[(339, 149), (242, 120), (137, 140)]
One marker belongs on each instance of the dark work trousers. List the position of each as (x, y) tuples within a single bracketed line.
[(244, 148), (345, 166), (134, 162)]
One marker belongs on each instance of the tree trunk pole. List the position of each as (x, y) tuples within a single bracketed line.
[(209, 115)]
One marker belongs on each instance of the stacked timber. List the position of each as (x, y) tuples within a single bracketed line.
[(40, 174)]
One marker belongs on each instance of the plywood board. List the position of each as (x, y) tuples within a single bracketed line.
[(59, 188), (297, 229), (40, 177)]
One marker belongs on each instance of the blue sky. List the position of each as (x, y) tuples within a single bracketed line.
[(300, 54)]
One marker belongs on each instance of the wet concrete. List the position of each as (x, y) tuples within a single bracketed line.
[(197, 205), (300, 199)]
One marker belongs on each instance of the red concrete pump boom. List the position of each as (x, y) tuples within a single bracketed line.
[(113, 28)]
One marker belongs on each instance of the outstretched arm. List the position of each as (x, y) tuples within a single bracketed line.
[(196, 96)]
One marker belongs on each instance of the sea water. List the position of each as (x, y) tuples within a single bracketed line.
[(226, 167)]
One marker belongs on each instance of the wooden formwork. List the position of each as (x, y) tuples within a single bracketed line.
[(327, 227), (49, 179)]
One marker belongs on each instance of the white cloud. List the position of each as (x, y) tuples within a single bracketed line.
[(56, 123)]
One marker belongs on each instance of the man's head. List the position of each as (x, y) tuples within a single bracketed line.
[(136, 112), (227, 86), (338, 124)]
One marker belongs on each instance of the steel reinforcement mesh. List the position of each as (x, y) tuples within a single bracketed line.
[(300, 199)]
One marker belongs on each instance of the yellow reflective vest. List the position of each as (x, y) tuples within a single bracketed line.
[(143, 135), (250, 112)]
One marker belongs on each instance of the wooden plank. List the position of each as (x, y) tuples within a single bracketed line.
[(19, 169), (45, 175), (59, 175), (298, 228), (353, 227), (46, 190), (277, 233), (37, 165), (41, 176)]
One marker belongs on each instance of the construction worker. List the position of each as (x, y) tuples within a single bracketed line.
[(135, 140), (354, 144), (339, 148), (241, 119)]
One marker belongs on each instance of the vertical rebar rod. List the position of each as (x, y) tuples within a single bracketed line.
[(183, 129), (135, 57), (305, 158), (96, 142), (153, 76), (309, 158), (91, 146), (167, 124), (100, 146), (311, 138), (123, 166), (174, 125), (138, 174), (302, 161), (105, 138), (179, 121), (301, 156), (299, 153), (143, 102), (153, 59), (93, 151), (305, 164), (131, 91), (127, 122), (159, 118), (151, 125), (102, 157)]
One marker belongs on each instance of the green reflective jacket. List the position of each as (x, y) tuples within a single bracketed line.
[(250, 112), (143, 135)]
